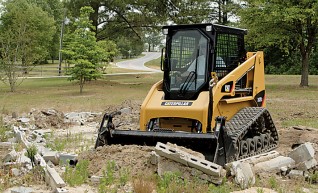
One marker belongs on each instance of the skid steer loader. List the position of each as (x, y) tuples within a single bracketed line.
[(211, 98)]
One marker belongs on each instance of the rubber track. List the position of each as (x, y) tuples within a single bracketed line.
[(247, 120)]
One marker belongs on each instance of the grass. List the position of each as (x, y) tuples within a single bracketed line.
[(154, 63), (61, 94), (290, 104), (71, 142), (78, 175), (110, 182)]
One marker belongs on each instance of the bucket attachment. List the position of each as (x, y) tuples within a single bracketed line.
[(205, 143)]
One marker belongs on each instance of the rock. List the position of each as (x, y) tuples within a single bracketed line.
[(153, 158), (15, 171), (10, 157), (244, 175), (96, 179), (125, 110), (24, 120)]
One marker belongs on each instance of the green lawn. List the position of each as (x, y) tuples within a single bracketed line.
[(64, 95), (288, 103)]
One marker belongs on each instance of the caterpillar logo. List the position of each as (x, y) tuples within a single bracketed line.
[(176, 103)]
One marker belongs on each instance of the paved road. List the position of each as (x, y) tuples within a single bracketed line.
[(138, 63)]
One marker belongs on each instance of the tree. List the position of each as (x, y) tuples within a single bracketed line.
[(25, 34), (285, 24), (82, 49), (153, 38)]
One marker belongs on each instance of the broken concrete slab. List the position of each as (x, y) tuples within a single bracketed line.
[(243, 173), (274, 165), (296, 174), (22, 189), (61, 190), (302, 153), (256, 159), (171, 153), (206, 166), (306, 165), (53, 178), (51, 156), (64, 158), (187, 159)]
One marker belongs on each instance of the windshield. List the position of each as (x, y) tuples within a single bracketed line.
[(188, 61)]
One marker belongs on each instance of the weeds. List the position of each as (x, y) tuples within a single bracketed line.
[(110, 182), (4, 136), (61, 143), (78, 175), (31, 152), (273, 183), (223, 188), (260, 190), (36, 175)]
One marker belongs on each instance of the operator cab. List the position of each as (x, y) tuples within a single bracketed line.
[(193, 52)]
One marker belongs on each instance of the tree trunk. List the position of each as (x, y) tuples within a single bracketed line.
[(94, 16), (148, 47), (81, 83), (304, 70)]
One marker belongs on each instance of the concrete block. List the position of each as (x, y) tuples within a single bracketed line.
[(216, 171), (61, 190), (206, 166), (53, 178), (306, 165), (244, 175), (171, 153), (22, 159), (51, 156), (153, 158), (22, 189), (274, 165), (39, 160), (64, 158), (302, 153), (256, 159)]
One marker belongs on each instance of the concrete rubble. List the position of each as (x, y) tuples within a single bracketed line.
[(244, 170), (167, 157)]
